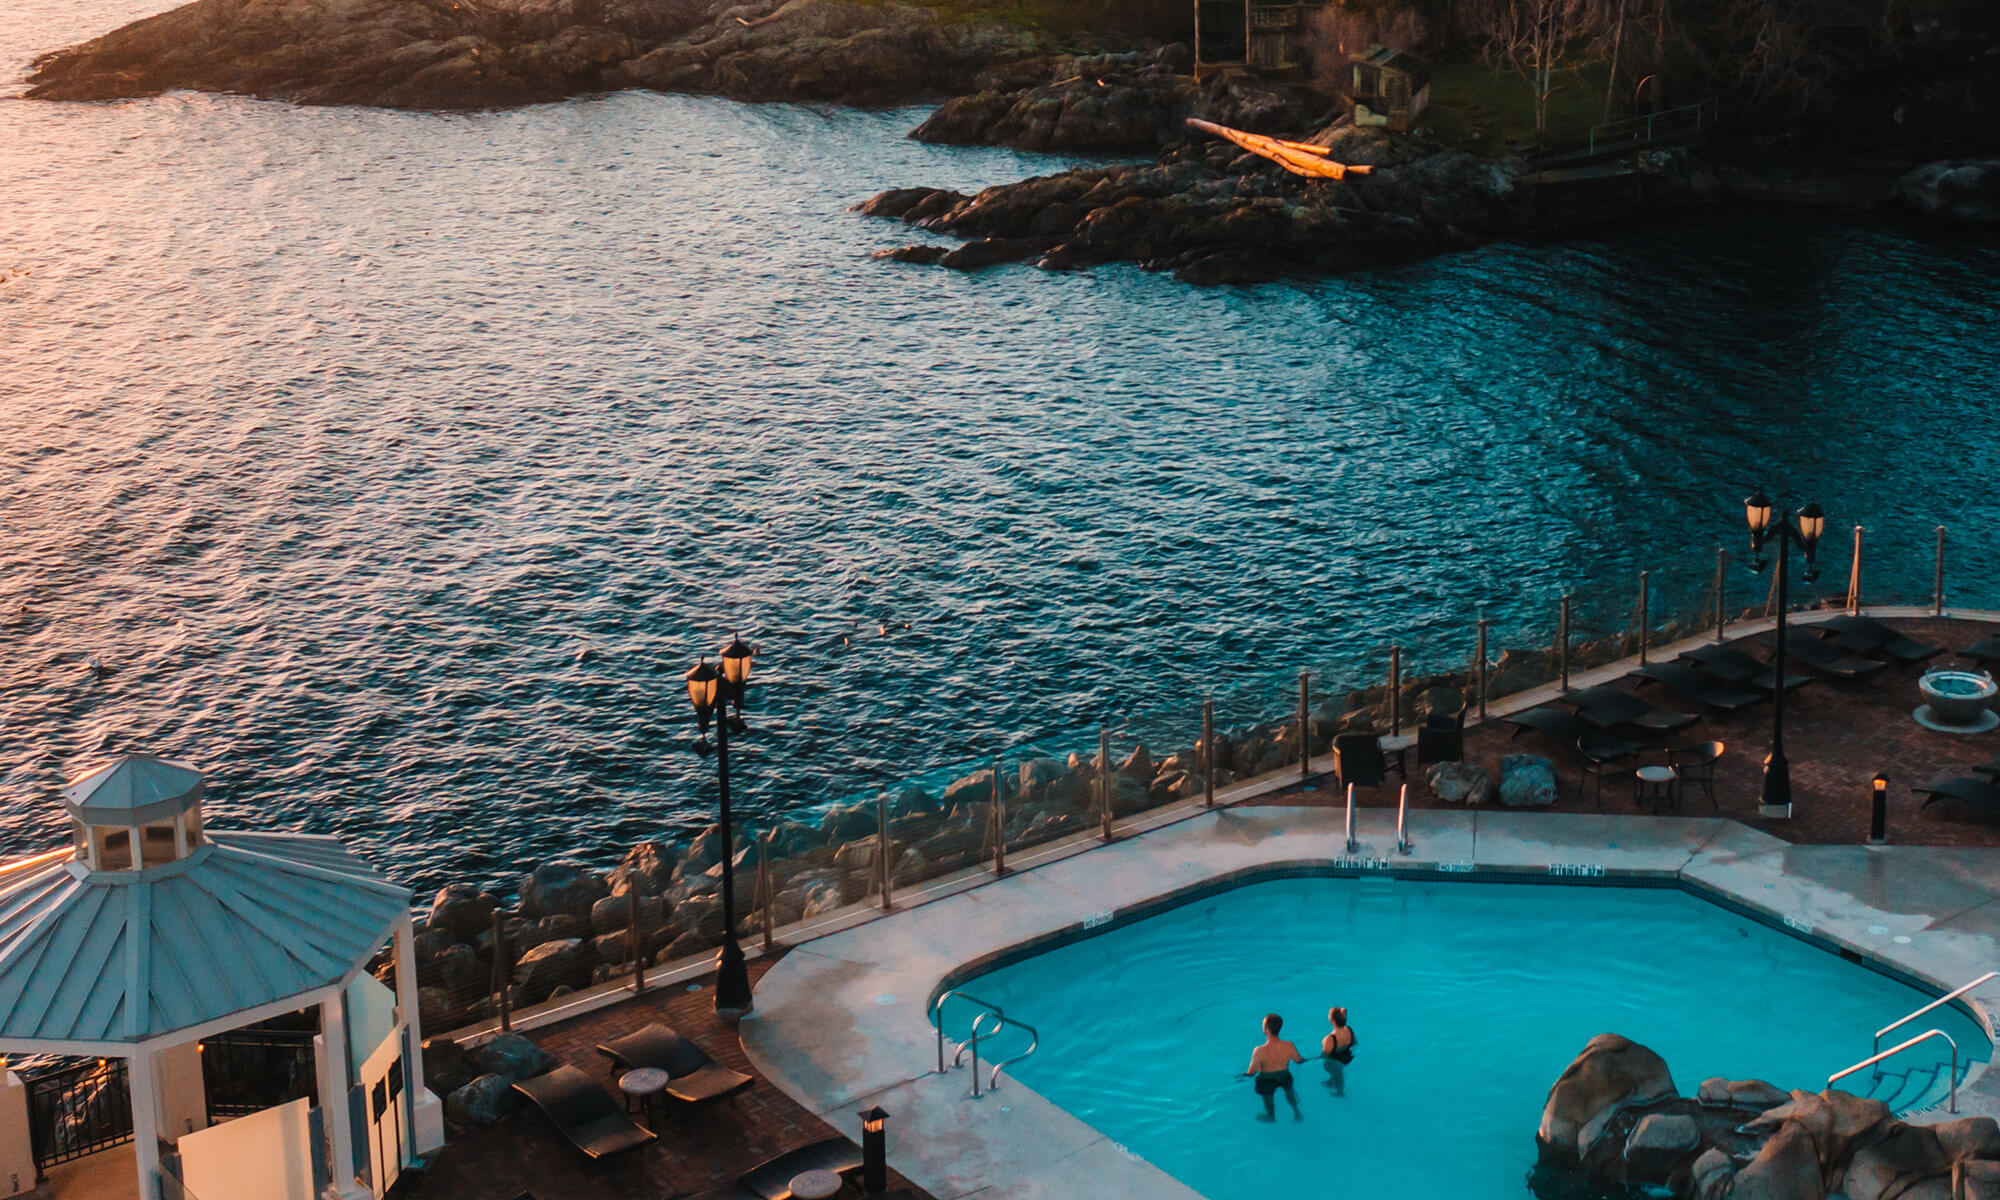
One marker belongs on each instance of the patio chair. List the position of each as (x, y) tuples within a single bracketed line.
[(587, 1115), (1696, 765), (1985, 651), (1738, 669), (1607, 708), (1441, 738), (1570, 730), (1830, 660), (1358, 760), (1684, 680), (692, 1076), (1981, 794), (1866, 635)]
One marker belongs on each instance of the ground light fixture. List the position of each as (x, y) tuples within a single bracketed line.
[(1878, 821), (718, 694), (1802, 529), (874, 1151)]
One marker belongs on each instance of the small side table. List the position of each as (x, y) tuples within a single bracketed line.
[(1656, 784), (643, 1085), (815, 1185)]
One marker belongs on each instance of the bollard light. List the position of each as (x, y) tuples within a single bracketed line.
[(874, 1152), (1878, 823)]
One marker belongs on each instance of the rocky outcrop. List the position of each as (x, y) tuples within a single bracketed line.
[(1601, 1135), (1461, 783), (451, 54), (481, 1102), (512, 1056), (1527, 781), (1963, 190)]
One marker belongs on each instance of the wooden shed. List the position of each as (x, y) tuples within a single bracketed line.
[(1257, 33), (1388, 87)]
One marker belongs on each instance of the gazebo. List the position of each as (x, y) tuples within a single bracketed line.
[(150, 933)]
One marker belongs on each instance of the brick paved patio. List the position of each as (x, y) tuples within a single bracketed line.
[(1837, 736), (696, 1149)]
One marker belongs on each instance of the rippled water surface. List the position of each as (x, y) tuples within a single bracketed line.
[(394, 465)]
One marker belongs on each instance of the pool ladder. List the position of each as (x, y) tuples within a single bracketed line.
[(990, 1021), (1881, 1054)]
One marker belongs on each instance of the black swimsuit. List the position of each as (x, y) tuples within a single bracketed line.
[(1269, 1082)]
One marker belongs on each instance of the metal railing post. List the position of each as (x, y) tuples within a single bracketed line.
[(1104, 778), (1350, 818), (1305, 734), (1937, 589), (1854, 577), (882, 865), (637, 941), (502, 970), (1395, 691), (765, 886), (1483, 623), (1208, 753), (1645, 623), (1562, 641), (1402, 820), (1721, 611), (999, 825)]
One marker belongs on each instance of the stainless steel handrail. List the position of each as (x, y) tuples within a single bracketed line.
[(1402, 819), (1893, 1050), (937, 1018), (1947, 998), (972, 1040), (1034, 1040), (1350, 819)]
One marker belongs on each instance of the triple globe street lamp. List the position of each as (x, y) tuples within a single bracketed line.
[(1802, 530), (714, 693)]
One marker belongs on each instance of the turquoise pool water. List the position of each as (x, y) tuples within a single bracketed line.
[(1468, 1000)]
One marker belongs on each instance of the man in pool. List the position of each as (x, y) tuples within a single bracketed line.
[(1271, 1063), (1336, 1049)]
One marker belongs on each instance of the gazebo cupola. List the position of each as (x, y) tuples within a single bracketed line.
[(135, 813)]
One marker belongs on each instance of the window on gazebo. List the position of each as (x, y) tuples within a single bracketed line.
[(160, 844)]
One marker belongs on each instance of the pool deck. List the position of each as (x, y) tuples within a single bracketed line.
[(840, 1021)]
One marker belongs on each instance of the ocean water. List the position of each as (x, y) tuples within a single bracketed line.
[(1467, 1001), (394, 466)]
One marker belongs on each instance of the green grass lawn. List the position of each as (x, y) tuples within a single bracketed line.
[(1490, 109)]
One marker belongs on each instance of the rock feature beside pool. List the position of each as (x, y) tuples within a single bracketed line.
[(1615, 1125), (1527, 781)]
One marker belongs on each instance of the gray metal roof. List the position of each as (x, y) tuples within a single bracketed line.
[(133, 789), (125, 956)]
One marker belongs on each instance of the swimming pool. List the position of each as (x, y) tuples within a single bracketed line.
[(1468, 1000)]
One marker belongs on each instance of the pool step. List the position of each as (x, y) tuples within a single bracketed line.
[(1911, 1090)]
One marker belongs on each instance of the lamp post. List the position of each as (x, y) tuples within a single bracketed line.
[(714, 693), (874, 1151), (1802, 529)]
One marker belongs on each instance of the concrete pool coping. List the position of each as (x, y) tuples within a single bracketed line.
[(841, 1021)]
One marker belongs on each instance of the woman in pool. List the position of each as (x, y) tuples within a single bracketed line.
[(1272, 1063), (1336, 1049)]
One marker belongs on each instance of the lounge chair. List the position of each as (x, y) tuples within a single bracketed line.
[(1738, 669), (1830, 660), (1686, 681), (692, 1076), (1441, 738), (772, 1179), (1608, 708), (1866, 635), (584, 1111), (1981, 794), (1570, 730), (1985, 651)]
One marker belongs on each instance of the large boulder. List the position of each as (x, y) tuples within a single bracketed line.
[(976, 788), (1962, 190), (647, 869), (551, 965), (1658, 1144), (1787, 1168), (1527, 781), (1979, 1180), (563, 889), (1886, 1170), (1740, 1093), (1138, 764), (1836, 1121), (1613, 1073), (844, 823), (460, 973), (1461, 783), (1711, 1175), (1037, 775), (511, 1056), (462, 909), (1969, 1138), (481, 1102)]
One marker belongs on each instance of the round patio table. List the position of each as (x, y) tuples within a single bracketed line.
[(815, 1185), (1656, 784), (644, 1085)]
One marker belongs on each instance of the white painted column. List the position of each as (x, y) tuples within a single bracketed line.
[(333, 1102), (426, 1110), (145, 1122)]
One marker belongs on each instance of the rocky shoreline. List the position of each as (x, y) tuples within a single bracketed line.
[(1615, 1125)]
